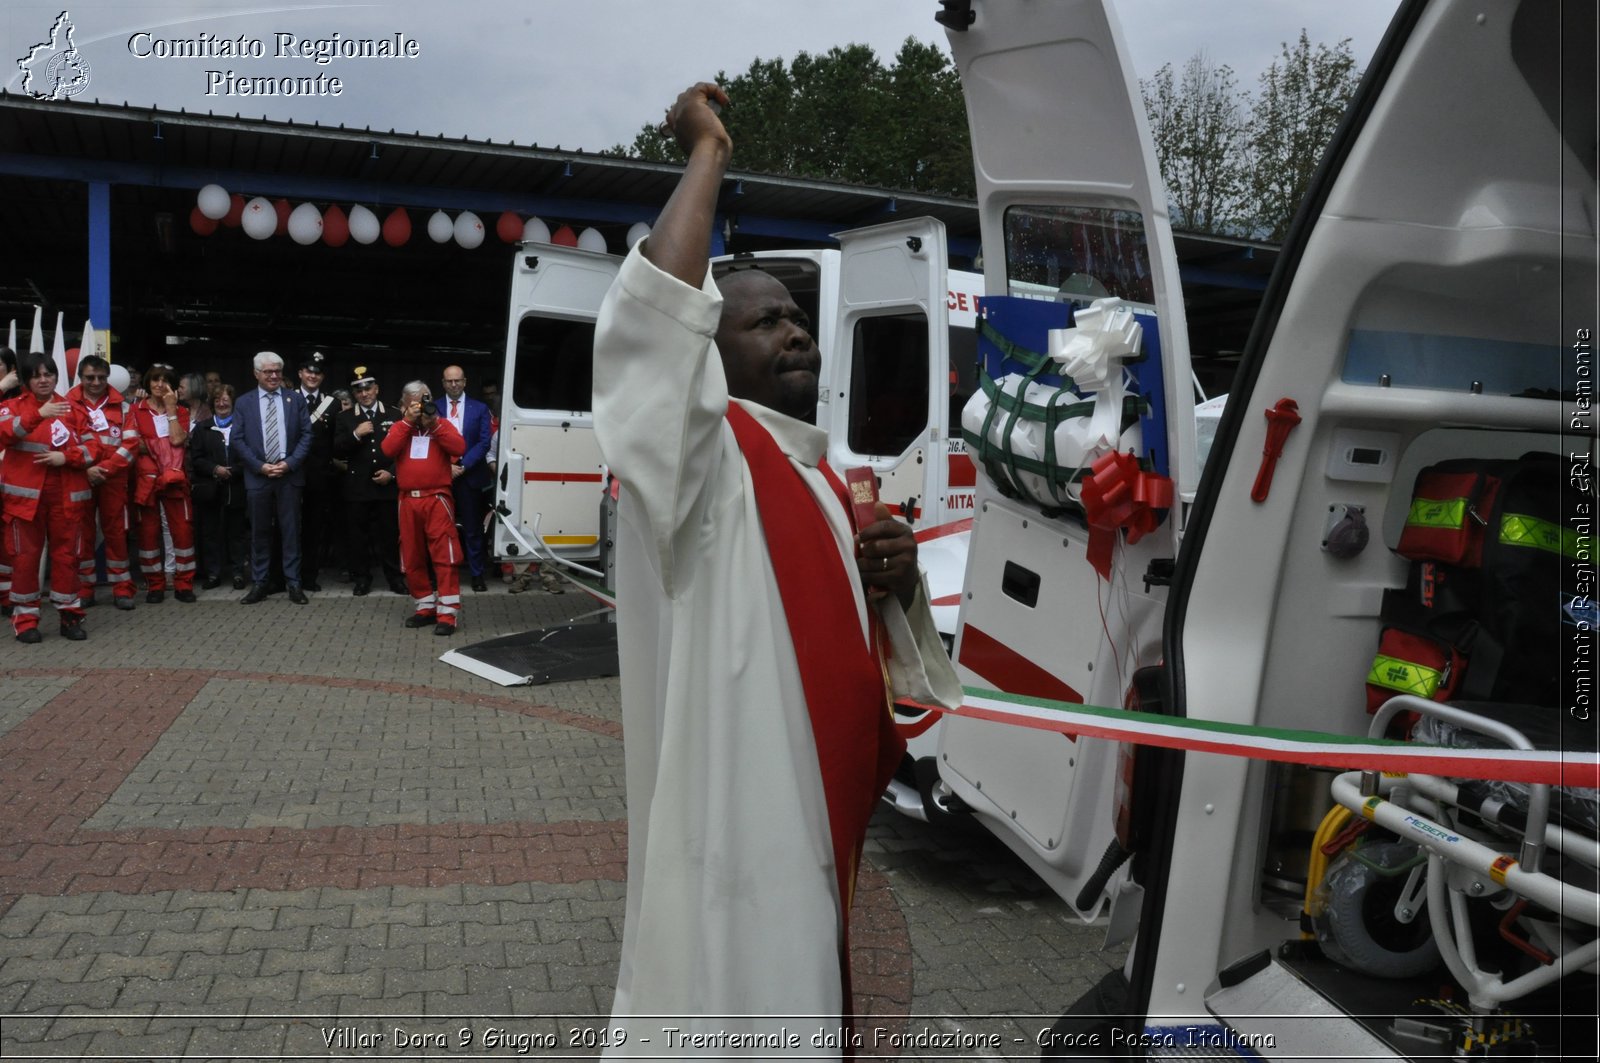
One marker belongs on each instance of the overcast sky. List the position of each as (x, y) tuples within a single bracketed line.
[(576, 73)]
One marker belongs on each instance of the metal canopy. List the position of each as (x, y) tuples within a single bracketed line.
[(225, 294)]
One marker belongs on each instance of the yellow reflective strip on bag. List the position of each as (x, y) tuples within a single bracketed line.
[(1519, 529), (1408, 677), (1437, 513)]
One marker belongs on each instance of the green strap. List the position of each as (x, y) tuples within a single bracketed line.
[(1035, 362)]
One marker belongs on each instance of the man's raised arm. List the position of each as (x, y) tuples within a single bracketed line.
[(680, 242)]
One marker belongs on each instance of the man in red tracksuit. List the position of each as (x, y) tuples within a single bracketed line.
[(112, 421), (423, 446), (48, 445)]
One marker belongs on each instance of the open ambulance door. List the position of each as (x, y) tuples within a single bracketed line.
[(550, 472), (888, 374), (1072, 208)]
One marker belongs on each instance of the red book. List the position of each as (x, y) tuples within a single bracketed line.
[(862, 483)]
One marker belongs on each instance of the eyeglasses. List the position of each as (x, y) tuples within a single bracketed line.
[(161, 365), (92, 378), (270, 372)]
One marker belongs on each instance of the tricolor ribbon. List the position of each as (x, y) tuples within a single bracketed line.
[(1316, 748)]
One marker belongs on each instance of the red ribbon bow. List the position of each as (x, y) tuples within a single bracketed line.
[(1120, 496)]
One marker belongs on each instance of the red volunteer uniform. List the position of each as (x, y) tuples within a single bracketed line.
[(160, 485), (112, 422), (43, 502), (422, 462)]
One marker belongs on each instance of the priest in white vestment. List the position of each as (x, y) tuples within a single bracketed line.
[(735, 921)]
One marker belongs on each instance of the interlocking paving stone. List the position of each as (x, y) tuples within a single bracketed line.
[(324, 821)]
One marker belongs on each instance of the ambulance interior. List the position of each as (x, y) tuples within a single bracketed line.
[(1429, 320)]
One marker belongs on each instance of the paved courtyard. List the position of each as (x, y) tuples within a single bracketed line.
[(279, 832)]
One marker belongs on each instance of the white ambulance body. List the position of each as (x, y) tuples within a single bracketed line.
[(1435, 299), (1443, 261), (896, 331)]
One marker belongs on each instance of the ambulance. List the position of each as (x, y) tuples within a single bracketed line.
[(1311, 726), (1194, 705), (897, 333)]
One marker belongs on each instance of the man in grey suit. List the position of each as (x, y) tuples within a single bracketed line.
[(273, 440)]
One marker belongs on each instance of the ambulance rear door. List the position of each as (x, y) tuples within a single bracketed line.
[(1072, 208), (889, 381), (550, 472)]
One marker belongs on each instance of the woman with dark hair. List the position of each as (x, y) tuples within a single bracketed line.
[(217, 479), (194, 393), (161, 487), (48, 444)]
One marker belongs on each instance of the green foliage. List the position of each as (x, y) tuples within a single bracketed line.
[(1198, 124), (1303, 96), (1239, 165), (844, 116)]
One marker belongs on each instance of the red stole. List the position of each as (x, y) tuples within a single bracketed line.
[(858, 748)]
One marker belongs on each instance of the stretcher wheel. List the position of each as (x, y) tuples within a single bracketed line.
[(1358, 927)]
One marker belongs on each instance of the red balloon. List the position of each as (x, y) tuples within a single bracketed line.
[(509, 227), (397, 227), (284, 210), (335, 226), (235, 211), (564, 237), (201, 224)]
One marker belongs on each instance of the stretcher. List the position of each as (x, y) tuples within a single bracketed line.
[(1521, 859)]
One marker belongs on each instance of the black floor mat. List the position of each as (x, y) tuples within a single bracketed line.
[(585, 650)]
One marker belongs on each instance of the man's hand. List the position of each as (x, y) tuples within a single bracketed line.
[(363, 429), (51, 457), (97, 475), (693, 118), (383, 477), (886, 555), (54, 409), (275, 469), (457, 470), (680, 242), (222, 472)]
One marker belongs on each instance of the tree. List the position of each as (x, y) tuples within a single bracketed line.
[(1302, 97), (1199, 129), (844, 116)]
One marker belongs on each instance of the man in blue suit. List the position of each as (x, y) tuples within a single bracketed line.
[(471, 475), (273, 439)]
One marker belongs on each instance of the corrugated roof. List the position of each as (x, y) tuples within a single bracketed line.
[(167, 280)]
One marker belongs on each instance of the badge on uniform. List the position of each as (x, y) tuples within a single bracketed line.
[(97, 420), (60, 435)]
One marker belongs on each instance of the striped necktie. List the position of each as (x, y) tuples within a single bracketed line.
[(270, 432)]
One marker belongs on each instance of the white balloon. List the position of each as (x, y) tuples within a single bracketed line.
[(636, 232), (214, 202), (305, 224), (535, 231), (364, 225), (260, 218), (440, 227), (591, 240), (119, 378), (469, 230)]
